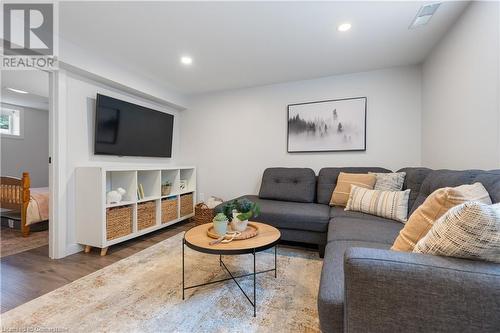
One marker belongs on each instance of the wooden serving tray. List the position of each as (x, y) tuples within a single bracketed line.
[(252, 230)]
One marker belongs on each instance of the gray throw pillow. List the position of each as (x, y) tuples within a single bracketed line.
[(389, 181)]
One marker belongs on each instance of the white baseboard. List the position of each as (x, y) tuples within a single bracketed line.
[(73, 248)]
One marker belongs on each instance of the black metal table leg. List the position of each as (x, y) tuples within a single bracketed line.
[(275, 261), (254, 273), (183, 289), (254, 294)]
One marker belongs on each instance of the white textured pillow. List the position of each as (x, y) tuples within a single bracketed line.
[(392, 181), (470, 230), (389, 204)]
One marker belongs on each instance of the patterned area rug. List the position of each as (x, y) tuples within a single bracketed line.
[(143, 293), (13, 242)]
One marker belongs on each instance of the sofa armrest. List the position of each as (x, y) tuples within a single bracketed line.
[(389, 291)]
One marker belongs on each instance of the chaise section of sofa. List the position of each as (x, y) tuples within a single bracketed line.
[(388, 291), (297, 221), (366, 287)]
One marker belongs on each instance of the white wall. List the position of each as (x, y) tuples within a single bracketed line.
[(80, 101), (460, 93), (233, 136), (31, 152)]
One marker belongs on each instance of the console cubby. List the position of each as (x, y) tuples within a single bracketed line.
[(173, 177), (125, 180), (189, 176), (151, 183), (98, 223)]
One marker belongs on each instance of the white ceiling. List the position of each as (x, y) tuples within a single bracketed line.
[(242, 44), (35, 82)]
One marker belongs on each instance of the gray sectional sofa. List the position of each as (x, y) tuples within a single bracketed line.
[(365, 287)]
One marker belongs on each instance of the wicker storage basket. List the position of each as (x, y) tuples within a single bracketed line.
[(118, 222), (146, 214), (203, 214), (168, 209), (186, 204)]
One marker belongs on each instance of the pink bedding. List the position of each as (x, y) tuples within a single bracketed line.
[(38, 208)]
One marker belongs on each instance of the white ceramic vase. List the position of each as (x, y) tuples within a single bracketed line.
[(236, 224)]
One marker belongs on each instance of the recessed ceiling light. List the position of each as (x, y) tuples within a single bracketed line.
[(344, 27), (17, 91), (186, 60)]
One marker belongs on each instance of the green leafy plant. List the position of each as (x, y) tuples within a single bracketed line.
[(246, 209), (220, 217), (167, 183), (228, 208)]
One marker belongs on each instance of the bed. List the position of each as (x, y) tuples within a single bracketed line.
[(33, 203)]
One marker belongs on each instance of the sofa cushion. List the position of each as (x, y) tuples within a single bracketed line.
[(288, 184), (292, 215), (331, 289), (413, 181), (363, 229), (327, 180), (443, 178), (341, 212)]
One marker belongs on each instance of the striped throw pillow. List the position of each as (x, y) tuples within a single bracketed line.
[(389, 204), (470, 230)]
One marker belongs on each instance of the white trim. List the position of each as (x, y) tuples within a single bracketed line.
[(73, 248), (57, 167)]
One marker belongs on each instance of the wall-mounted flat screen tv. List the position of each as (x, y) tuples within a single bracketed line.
[(127, 129)]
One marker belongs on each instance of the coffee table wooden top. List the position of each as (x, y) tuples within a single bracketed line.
[(197, 239)]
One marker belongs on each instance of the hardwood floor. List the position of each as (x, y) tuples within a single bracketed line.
[(30, 274)]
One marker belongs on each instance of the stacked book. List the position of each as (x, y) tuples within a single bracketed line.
[(140, 192)]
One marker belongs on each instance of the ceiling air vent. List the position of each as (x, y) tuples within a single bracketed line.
[(424, 15)]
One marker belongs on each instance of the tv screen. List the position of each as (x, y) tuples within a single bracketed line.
[(127, 129)]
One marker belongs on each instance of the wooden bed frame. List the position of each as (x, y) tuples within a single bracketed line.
[(15, 194)]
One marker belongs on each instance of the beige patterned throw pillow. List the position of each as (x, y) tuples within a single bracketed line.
[(470, 230), (389, 204), (391, 181), (435, 206)]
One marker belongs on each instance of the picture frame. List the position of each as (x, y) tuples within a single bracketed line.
[(337, 125)]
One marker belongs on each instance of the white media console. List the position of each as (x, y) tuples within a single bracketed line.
[(101, 224)]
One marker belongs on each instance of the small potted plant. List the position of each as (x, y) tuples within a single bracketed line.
[(166, 187), (220, 222), (241, 210)]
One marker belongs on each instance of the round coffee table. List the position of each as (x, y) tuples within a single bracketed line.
[(197, 239)]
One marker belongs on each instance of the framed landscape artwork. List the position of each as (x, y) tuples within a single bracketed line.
[(334, 125)]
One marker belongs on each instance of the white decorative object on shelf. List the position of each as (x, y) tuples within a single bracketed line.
[(115, 196), (183, 184)]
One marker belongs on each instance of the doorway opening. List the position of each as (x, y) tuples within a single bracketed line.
[(24, 140)]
